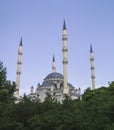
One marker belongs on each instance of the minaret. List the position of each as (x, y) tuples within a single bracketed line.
[(92, 67), (19, 62), (65, 61), (53, 65)]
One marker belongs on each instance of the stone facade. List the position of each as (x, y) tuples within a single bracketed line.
[(53, 85)]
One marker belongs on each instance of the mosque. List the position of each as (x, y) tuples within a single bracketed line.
[(55, 83)]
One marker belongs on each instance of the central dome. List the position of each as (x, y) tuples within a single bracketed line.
[(52, 78), (54, 75)]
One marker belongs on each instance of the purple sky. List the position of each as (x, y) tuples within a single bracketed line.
[(40, 24)]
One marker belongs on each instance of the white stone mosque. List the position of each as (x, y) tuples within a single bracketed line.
[(55, 83)]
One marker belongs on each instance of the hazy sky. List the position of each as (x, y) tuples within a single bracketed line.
[(40, 22)]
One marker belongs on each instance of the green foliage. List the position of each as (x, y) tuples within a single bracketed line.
[(7, 88), (94, 112)]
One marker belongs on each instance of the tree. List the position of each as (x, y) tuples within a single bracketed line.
[(7, 88)]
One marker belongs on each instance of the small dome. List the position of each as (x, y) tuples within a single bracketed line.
[(54, 75), (70, 85)]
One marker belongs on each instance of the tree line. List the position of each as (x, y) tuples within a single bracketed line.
[(94, 111)]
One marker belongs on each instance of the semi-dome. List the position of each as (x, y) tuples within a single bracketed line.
[(47, 83), (54, 75)]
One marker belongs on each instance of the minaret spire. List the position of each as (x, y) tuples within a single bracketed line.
[(53, 58), (64, 25), (92, 67), (21, 42), (53, 64), (65, 59), (91, 50), (19, 68)]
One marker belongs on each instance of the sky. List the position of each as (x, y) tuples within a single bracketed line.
[(40, 22)]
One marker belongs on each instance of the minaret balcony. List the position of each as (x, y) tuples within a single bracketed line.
[(19, 63), (92, 68), (53, 67), (20, 53), (65, 62), (64, 49), (93, 77), (18, 73), (92, 59), (64, 38)]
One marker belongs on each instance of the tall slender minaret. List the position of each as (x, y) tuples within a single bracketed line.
[(92, 67), (53, 65), (19, 62), (65, 61)]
